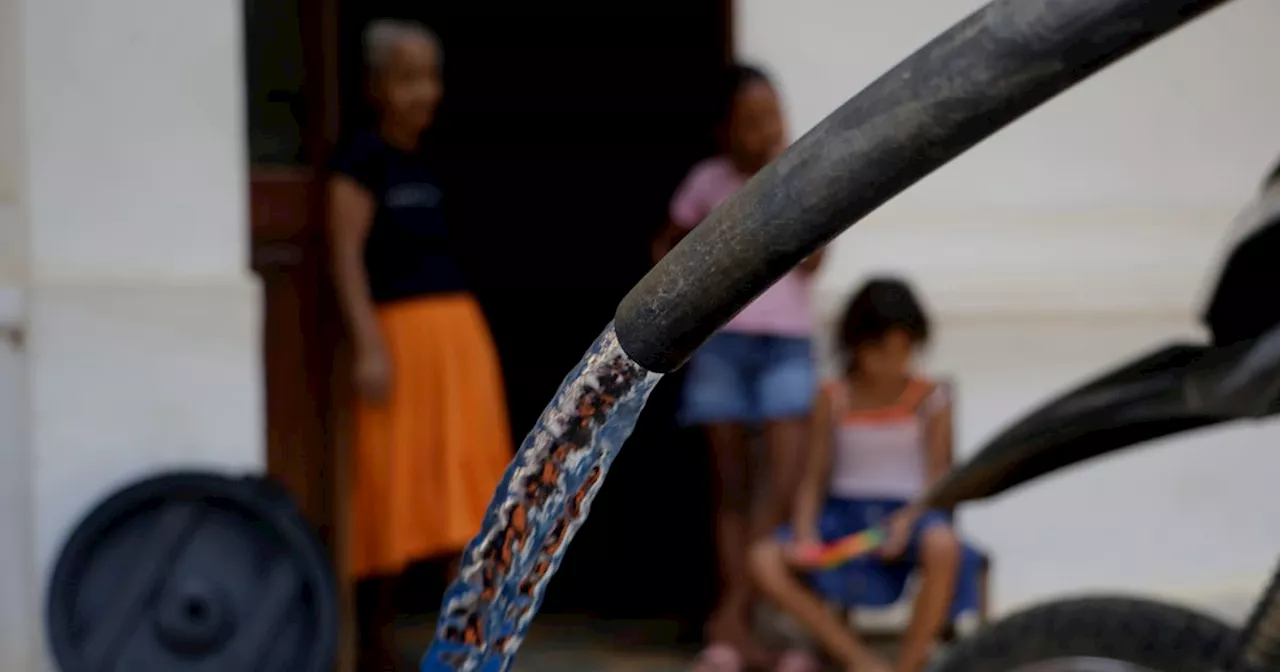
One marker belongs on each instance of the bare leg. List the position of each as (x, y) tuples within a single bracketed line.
[(939, 571), (729, 624), (776, 580), (377, 611), (451, 566), (787, 444)]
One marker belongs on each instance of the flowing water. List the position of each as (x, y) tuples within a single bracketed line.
[(541, 502)]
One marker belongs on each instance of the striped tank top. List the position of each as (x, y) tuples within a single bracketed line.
[(879, 453)]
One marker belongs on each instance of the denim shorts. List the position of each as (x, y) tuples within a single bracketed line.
[(868, 581), (749, 378)]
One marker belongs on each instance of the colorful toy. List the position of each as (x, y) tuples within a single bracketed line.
[(840, 551)]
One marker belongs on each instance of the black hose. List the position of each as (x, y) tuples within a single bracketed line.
[(983, 73), (1259, 647)]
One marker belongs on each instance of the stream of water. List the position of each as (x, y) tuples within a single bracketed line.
[(541, 502)]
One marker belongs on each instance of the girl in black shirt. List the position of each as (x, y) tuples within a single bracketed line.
[(431, 435)]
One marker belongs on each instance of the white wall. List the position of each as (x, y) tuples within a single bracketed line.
[(19, 625), (123, 244), (1079, 235)]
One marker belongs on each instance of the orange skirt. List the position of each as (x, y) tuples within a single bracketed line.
[(426, 462)]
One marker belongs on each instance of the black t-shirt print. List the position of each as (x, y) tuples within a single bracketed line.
[(407, 253)]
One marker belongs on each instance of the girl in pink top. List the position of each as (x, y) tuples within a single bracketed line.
[(756, 372)]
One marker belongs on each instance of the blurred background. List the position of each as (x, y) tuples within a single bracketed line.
[(164, 299)]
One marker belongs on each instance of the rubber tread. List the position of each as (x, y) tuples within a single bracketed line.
[(1156, 636)]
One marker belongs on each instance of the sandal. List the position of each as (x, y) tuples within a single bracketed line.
[(797, 661), (719, 657)]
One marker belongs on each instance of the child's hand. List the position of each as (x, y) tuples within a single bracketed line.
[(812, 263), (898, 534), (372, 373), (804, 553)]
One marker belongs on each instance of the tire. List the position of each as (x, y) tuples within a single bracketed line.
[(1096, 634), (265, 510)]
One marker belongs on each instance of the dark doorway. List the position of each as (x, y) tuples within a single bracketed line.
[(564, 131)]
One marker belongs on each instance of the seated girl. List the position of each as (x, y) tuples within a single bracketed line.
[(881, 437)]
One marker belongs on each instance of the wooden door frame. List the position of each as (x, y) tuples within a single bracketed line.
[(288, 208), (302, 334)]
